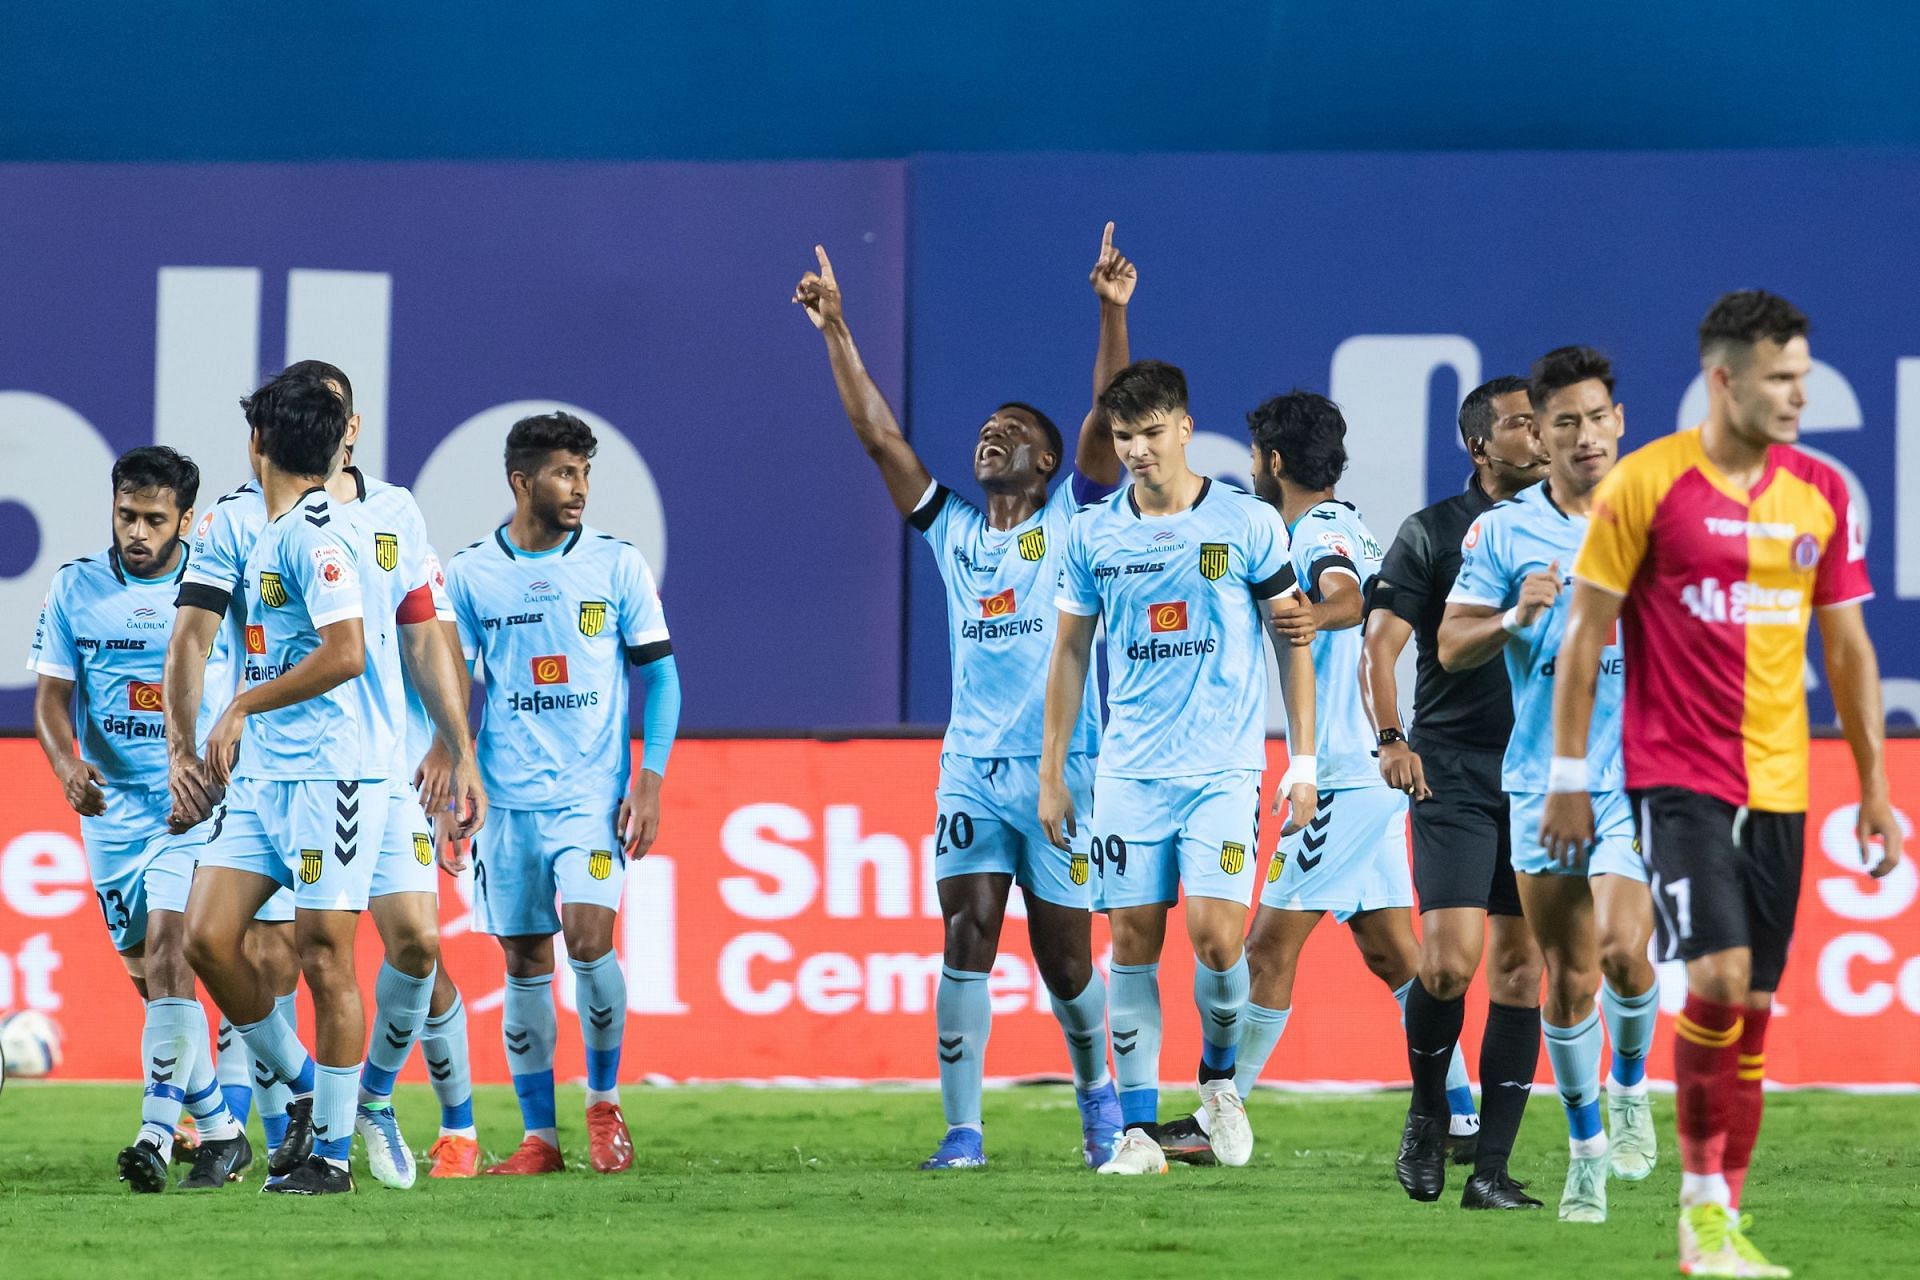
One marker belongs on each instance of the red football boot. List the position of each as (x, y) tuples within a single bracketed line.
[(609, 1146), (533, 1156)]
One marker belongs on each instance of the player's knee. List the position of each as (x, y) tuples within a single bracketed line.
[(415, 955), (587, 944), (1218, 952), (972, 940), (1623, 960), (1445, 976), (1065, 970), (1570, 995)]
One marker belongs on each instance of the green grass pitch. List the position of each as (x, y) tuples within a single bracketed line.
[(751, 1182)]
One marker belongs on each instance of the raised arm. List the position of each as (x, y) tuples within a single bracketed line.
[(880, 435), (1113, 280), (1853, 672), (1066, 688)]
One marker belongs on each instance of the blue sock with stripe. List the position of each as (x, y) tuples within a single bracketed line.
[(234, 1066), (1133, 1013), (1630, 1022), (1220, 995), (270, 1093), (528, 1026), (450, 1067), (600, 993), (962, 1020), (399, 1011), (205, 1101), (1260, 1032), (1083, 1020), (163, 1061), (273, 1042), (1575, 1054), (336, 1092)]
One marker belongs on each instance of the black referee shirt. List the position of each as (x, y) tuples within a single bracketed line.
[(1473, 709)]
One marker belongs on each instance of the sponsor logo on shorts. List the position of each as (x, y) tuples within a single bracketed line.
[(310, 865), (1213, 560), (1233, 858), (1168, 615), (1742, 603), (142, 696), (256, 638), (1033, 544), (593, 617), (423, 848), (997, 605), (386, 550), (273, 593), (1077, 868), (600, 863), (550, 669)]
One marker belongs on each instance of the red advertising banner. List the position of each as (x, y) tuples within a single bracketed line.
[(787, 927)]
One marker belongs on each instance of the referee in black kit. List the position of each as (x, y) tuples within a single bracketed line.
[(1462, 864)]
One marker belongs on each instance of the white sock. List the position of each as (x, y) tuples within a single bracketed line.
[(1705, 1188), (597, 1096), (549, 1136)]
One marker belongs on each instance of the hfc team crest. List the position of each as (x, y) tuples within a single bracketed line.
[(1276, 867), (1213, 560), (309, 866), (1033, 544), (1233, 858), (600, 863), (386, 550), (593, 619), (423, 848), (1077, 868), (273, 593)]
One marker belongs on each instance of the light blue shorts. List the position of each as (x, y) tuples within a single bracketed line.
[(318, 838), (524, 858), (1616, 850), (406, 862), (989, 822), (1351, 858), (131, 878), (1154, 837)]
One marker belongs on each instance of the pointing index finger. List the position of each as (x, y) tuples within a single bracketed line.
[(1106, 240), (826, 266)]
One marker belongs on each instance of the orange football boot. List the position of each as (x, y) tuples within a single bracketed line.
[(609, 1145), (454, 1157), (186, 1133), (532, 1156)]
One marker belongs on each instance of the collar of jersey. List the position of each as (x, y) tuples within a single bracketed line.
[(126, 579), (1206, 487), (516, 553)]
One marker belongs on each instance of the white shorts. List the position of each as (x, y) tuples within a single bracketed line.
[(1350, 859), (1153, 837), (406, 861), (318, 838), (524, 858), (989, 822), (1616, 849)]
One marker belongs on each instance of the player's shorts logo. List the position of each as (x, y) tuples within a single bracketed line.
[(386, 550), (551, 669), (1806, 551), (997, 605), (256, 638), (309, 866), (273, 593), (1168, 615), (1077, 868), (1213, 560), (1276, 867), (1033, 544), (1233, 858), (593, 617), (142, 696), (600, 863), (423, 848)]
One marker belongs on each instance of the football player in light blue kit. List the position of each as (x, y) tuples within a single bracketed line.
[(1588, 908), (99, 652), (1351, 860), (1182, 570), (307, 797), (552, 612), (1000, 566)]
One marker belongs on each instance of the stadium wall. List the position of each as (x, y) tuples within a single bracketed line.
[(787, 926), (653, 299)]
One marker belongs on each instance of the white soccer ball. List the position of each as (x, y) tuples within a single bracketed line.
[(29, 1043)]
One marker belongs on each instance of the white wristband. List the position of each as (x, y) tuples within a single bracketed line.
[(1567, 773), (1301, 771), (1510, 622)]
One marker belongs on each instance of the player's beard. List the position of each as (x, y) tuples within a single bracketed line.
[(161, 557)]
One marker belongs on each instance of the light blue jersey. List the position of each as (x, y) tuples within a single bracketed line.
[(1000, 621), (222, 540), (553, 632), (392, 526), (106, 631), (306, 571), (1332, 539), (1182, 599), (1522, 536)]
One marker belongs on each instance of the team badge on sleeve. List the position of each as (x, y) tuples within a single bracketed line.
[(593, 617), (1033, 544), (386, 550), (309, 866), (1213, 560), (1233, 858), (273, 592), (600, 863), (422, 849)]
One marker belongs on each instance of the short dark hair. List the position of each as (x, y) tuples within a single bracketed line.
[(1309, 433), (1739, 320), (1144, 388), (1564, 367), (299, 419), (532, 439), (1476, 411), (330, 372), (155, 466), (1055, 441)]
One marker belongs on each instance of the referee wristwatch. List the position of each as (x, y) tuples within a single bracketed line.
[(1387, 737)]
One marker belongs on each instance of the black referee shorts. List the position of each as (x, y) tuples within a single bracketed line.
[(1722, 877), (1462, 846)]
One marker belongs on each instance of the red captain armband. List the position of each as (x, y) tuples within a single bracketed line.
[(417, 606)]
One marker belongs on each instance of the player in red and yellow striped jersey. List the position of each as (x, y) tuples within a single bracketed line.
[(1714, 547)]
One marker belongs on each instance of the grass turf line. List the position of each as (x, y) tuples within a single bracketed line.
[(731, 1181)]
